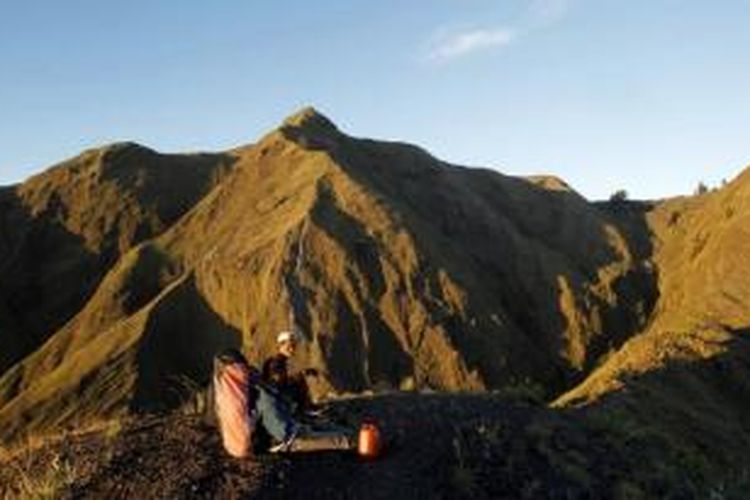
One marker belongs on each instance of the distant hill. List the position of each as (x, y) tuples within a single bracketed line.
[(125, 270), (62, 230)]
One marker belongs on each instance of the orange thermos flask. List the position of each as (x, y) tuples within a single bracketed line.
[(370, 441)]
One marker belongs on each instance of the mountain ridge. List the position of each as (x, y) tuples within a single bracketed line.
[(400, 270)]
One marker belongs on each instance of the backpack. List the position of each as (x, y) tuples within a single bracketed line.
[(234, 396)]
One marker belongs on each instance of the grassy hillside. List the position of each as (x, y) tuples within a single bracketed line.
[(686, 374), (400, 270), (62, 230), (126, 270)]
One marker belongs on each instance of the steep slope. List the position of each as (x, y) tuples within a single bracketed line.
[(687, 372), (704, 281), (540, 267), (61, 231), (400, 270)]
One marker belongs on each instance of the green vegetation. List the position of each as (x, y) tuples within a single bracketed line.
[(619, 196)]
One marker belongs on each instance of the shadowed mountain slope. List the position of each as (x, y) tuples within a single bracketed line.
[(701, 247), (399, 269), (62, 230), (686, 374)]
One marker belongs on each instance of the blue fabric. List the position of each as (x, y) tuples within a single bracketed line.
[(275, 415)]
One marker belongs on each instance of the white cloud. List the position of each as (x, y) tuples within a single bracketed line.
[(537, 15), (467, 42)]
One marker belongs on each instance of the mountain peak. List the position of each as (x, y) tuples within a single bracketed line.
[(310, 129), (309, 117)]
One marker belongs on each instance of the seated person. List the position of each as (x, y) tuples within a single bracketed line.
[(289, 434), (253, 417), (276, 374)]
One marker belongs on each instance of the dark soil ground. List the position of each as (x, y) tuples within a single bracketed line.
[(439, 446)]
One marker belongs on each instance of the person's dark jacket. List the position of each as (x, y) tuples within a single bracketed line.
[(276, 371)]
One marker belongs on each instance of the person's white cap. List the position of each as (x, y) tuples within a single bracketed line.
[(285, 336)]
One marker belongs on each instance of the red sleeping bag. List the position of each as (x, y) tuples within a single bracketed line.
[(234, 404)]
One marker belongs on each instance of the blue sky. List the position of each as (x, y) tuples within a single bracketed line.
[(651, 96)]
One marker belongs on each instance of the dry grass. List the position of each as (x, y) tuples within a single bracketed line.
[(402, 271), (43, 465), (56, 477), (33, 442)]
